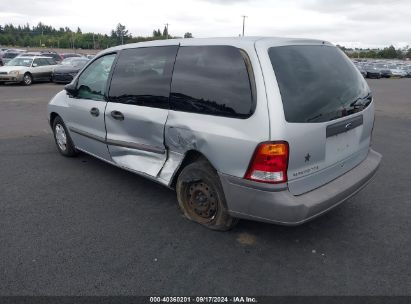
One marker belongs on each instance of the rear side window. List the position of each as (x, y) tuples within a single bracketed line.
[(318, 83), (142, 76), (51, 61), (39, 61), (212, 80), (42, 62)]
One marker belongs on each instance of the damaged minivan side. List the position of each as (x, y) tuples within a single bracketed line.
[(268, 129)]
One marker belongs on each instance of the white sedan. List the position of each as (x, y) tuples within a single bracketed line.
[(28, 69)]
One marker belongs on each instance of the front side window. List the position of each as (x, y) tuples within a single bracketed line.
[(50, 61), (92, 82), (212, 80), (142, 76)]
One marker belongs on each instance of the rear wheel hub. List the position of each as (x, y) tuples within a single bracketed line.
[(202, 201)]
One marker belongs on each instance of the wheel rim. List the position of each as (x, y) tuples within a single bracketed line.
[(27, 79), (61, 137), (202, 203)]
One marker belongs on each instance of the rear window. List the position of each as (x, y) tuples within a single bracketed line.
[(318, 83)]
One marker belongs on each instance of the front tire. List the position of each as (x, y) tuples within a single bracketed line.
[(62, 138), (27, 79), (201, 197)]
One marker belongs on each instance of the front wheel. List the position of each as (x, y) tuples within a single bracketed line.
[(62, 138), (201, 197), (27, 79)]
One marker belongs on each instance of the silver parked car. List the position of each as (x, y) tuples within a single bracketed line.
[(267, 129), (28, 69)]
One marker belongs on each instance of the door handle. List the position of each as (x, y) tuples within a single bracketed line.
[(94, 112), (117, 115)]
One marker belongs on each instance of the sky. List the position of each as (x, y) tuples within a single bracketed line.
[(352, 23)]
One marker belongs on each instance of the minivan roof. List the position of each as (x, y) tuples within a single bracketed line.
[(235, 41)]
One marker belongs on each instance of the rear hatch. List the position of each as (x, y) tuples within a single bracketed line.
[(328, 110)]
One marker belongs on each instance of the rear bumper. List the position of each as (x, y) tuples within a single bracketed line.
[(275, 204)]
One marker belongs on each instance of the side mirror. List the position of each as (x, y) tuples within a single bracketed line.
[(34, 65), (71, 89)]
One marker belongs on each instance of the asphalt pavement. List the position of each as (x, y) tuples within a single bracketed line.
[(79, 226)]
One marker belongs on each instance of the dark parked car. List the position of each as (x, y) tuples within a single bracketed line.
[(385, 73), (362, 70), (57, 58), (372, 72), (9, 55), (69, 55), (68, 69), (2, 51)]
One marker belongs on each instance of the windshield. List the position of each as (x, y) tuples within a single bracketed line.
[(317, 83), (10, 55), (79, 63), (75, 62), (20, 61), (67, 61)]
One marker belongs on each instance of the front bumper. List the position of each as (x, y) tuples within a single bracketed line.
[(11, 78), (275, 204), (62, 78)]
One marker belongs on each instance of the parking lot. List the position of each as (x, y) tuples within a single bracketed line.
[(79, 226)]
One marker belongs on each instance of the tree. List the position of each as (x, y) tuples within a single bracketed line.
[(188, 35), (165, 32), (389, 52), (157, 33), (121, 32)]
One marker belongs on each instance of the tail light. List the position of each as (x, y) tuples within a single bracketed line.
[(269, 163)]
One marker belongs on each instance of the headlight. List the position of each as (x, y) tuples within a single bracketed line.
[(14, 72)]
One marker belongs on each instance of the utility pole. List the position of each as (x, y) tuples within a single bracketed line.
[(167, 29), (244, 16), (72, 39), (41, 35)]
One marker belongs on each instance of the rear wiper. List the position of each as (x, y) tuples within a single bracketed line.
[(366, 98)]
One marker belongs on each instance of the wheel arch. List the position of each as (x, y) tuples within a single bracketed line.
[(189, 157), (53, 116), (29, 73)]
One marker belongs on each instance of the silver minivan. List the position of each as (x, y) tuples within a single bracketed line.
[(268, 129)]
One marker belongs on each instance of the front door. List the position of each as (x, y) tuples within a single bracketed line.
[(86, 109), (138, 108)]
